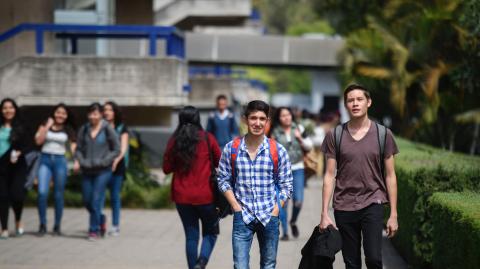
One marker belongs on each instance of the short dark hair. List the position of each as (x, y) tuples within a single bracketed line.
[(257, 105), (353, 87), (221, 96)]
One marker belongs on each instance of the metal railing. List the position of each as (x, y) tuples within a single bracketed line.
[(175, 42)]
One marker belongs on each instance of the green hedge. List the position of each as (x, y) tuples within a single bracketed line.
[(421, 172), (456, 230)]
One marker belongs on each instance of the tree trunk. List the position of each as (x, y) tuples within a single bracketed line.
[(452, 141), (476, 130)]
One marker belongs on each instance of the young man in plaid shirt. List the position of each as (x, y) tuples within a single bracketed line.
[(255, 185)]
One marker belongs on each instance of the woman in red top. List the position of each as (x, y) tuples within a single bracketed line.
[(188, 157)]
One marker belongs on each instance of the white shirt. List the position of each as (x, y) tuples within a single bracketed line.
[(55, 142)]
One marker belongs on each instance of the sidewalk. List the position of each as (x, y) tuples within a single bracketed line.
[(149, 239)]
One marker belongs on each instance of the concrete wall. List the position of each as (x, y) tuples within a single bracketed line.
[(82, 80), (263, 50), (14, 12), (188, 13), (206, 89)]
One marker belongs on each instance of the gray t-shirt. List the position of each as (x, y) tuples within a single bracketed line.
[(359, 180)]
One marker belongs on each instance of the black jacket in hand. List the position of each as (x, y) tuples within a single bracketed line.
[(320, 249)]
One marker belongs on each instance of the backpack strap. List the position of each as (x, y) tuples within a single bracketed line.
[(274, 155), (338, 133), (234, 154), (382, 138)]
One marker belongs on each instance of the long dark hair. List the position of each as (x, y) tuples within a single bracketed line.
[(276, 117), (117, 112), (18, 129), (69, 124), (16, 118), (186, 136)]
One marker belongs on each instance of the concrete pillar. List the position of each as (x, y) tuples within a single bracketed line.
[(104, 17)]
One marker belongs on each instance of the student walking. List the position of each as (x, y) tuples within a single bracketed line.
[(13, 167), (256, 179), (97, 148), (113, 115), (55, 136), (221, 123), (189, 154), (362, 152), (289, 134)]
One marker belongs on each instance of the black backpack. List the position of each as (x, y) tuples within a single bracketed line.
[(382, 137)]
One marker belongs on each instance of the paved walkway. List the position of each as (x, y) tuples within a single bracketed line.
[(149, 239)]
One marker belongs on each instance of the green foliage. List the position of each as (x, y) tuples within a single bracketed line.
[(456, 230), (424, 52), (282, 80), (422, 171), (318, 26), (291, 17)]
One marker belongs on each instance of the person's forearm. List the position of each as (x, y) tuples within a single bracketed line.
[(327, 193), (392, 194), (232, 200), (123, 146), (40, 136)]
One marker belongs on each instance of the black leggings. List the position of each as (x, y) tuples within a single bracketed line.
[(12, 190)]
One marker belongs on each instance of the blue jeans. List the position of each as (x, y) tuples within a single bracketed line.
[(242, 236), (190, 215), (115, 187), (93, 190), (51, 166), (297, 197)]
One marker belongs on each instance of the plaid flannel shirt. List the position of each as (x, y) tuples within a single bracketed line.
[(255, 184)]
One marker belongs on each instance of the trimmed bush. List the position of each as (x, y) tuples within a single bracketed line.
[(421, 172), (456, 230)]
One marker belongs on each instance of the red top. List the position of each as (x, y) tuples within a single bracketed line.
[(192, 186)]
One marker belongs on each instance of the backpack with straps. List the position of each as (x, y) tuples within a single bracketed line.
[(381, 135), (273, 154)]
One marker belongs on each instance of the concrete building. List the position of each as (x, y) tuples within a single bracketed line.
[(218, 33)]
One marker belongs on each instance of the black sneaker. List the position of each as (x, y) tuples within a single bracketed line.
[(295, 231), (42, 230), (284, 237), (201, 263), (57, 231)]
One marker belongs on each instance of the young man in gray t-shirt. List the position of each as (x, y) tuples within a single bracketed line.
[(361, 189)]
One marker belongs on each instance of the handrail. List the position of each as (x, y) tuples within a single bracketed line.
[(174, 38)]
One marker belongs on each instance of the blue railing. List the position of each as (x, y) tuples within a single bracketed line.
[(175, 44)]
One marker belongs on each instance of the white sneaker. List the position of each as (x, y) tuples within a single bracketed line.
[(114, 231), (4, 234), (20, 231)]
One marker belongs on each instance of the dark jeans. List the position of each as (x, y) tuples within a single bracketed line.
[(367, 222), (93, 190), (190, 216), (242, 236), (12, 190)]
